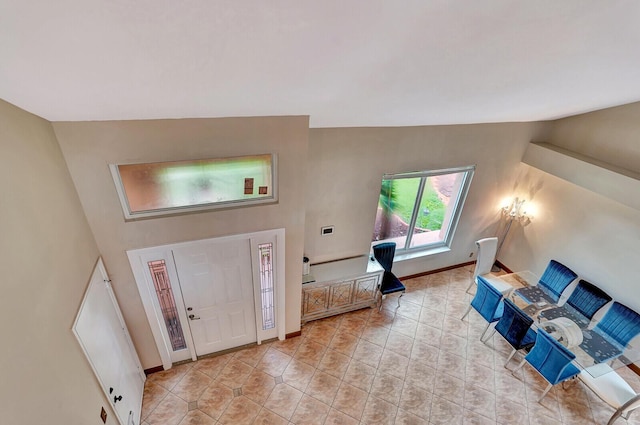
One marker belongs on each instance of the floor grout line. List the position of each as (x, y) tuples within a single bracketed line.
[(392, 331)]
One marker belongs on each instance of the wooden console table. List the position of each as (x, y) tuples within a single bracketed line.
[(340, 286)]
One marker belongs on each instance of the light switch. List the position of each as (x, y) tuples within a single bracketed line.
[(326, 230)]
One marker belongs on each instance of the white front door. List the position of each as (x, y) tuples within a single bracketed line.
[(216, 279)]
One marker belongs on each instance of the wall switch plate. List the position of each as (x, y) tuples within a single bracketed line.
[(326, 230), (103, 416)]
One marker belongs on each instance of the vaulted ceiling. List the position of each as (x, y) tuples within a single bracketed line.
[(343, 62)]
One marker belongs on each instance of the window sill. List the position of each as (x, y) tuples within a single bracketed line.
[(399, 257)]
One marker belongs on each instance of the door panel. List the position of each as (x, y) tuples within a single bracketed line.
[(217, 284), (102, 334), (341, 294)]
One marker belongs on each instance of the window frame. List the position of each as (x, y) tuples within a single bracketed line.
[(458, 203), (168, 211)]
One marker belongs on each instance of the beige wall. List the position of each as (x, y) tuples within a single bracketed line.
[(90, 146), (47, 255), (595, 236), (346, 167), (48, 250)]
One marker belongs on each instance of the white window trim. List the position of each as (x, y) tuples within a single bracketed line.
[(160, 212), (403, 253)]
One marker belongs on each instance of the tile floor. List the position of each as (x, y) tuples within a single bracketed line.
[(419, 364)]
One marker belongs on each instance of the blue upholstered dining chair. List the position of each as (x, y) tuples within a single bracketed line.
[(515, 328), (583, 303), (609, 338), (619, 324), (487, 302), (551, 360), (554, 281), (384, 253)]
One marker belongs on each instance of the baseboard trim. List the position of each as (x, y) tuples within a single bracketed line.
[(293, 334), (503, 267), (149, 371), (634, 368), (443, 269)]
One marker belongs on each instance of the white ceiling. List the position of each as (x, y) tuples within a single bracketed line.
[(343, 62)]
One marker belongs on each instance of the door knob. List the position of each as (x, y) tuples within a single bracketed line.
[(194, 317)]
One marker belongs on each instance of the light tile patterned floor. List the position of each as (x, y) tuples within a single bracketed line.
[(419, 364)]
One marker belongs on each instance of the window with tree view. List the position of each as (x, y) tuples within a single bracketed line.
[(420, 210)]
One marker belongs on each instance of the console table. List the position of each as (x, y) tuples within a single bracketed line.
[(340, 286)]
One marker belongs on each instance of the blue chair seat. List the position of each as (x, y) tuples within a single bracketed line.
[(390, 284)]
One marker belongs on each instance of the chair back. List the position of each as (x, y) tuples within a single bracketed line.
[(487, 301), (620, 323), (549, 357), (556, 278), (514, 324), (486, 256), (384, 253), (588, 298)]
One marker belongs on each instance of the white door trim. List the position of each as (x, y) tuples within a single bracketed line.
[(151, 304), (277, 238), (138, 259)]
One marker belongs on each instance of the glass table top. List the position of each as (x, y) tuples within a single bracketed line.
[(591, 348)]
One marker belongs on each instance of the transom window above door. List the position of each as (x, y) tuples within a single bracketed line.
[(419, 211), (162, 188)]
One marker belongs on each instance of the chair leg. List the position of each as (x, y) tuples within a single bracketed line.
[(381, 298), (470, 286), (513, 372), (466, 312), (400, 297), (544, 393), (513, 352), (493, 331), (615, 416)]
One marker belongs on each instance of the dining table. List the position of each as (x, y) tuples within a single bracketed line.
[(594, 353)]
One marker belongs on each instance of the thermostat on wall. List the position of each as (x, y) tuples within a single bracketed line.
[(326, 230)]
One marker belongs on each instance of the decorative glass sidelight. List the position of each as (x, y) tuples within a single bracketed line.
[(161, 282), (266, 285)]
